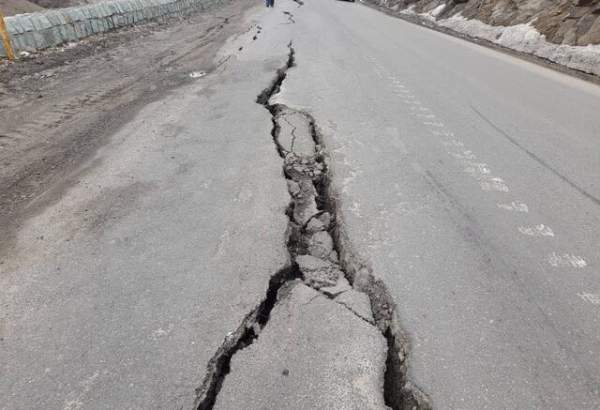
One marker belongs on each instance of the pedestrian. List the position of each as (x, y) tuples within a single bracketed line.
[(270, 3)]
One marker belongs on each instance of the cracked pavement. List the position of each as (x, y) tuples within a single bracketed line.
[(117, 294), (341, 211)]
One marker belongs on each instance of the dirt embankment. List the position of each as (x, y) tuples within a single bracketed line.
[(568, 22), (55, 4), (12, 7)]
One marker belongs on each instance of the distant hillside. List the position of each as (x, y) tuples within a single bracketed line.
[(11, 7), (569, 22), (54, 4)]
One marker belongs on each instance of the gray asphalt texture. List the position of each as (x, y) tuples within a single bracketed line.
[(117, 295), (467, 181), (313, 354)]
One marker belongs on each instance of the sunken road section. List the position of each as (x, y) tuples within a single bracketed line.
[(326, 323)]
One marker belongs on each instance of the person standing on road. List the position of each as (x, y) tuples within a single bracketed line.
[(270, 3)]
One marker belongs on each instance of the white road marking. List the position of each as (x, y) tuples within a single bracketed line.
[(515, 206), (593, 298), (477, 168), (420, 109), (436, 124), (493, 184), (566, 260), (465, 155), (453, 143), (538, 230), (482, 173)]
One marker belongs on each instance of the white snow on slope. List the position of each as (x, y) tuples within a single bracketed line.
[(521, 37)]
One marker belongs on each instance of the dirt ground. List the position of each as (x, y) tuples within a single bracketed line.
[(53, 4), (12, 7), (59, 106)]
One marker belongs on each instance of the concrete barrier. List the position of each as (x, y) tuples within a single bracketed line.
[(37, 31)]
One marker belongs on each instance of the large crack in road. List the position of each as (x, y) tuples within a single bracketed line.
[(322, 263)]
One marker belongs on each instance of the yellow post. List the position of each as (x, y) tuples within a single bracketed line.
[(6, 39)]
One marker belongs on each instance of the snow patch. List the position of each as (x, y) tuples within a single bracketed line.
[(410, 10), (525, 38), (438, 10)]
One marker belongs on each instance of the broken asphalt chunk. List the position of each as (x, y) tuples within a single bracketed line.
[(318, 272), (313, 354)]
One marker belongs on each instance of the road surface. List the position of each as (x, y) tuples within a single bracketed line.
[(466, 180)]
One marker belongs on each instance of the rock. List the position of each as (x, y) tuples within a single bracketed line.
[(320, 245), (298, 167), (305, 205), (592, 35), (317, 272), (575, 14), (318, 223), (325, 218), (566, 32), (583, 3), (566, 22), (315, 225), (333, 257), (295, 133), (293, 188), (341, 286)]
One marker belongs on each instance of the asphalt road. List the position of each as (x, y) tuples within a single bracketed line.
[(467, 181), (139, 262)]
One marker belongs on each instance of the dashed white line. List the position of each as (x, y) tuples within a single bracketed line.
[(465, 155), (493, 184), (482, 173), (566, 260), (477, 168), (514, 206), (593, 298), (436, 124), (453, 143), (537, 230)]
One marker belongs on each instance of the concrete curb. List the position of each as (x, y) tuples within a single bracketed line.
[(37, 31)]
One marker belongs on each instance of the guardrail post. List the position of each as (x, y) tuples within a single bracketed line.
[(6, 38)]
